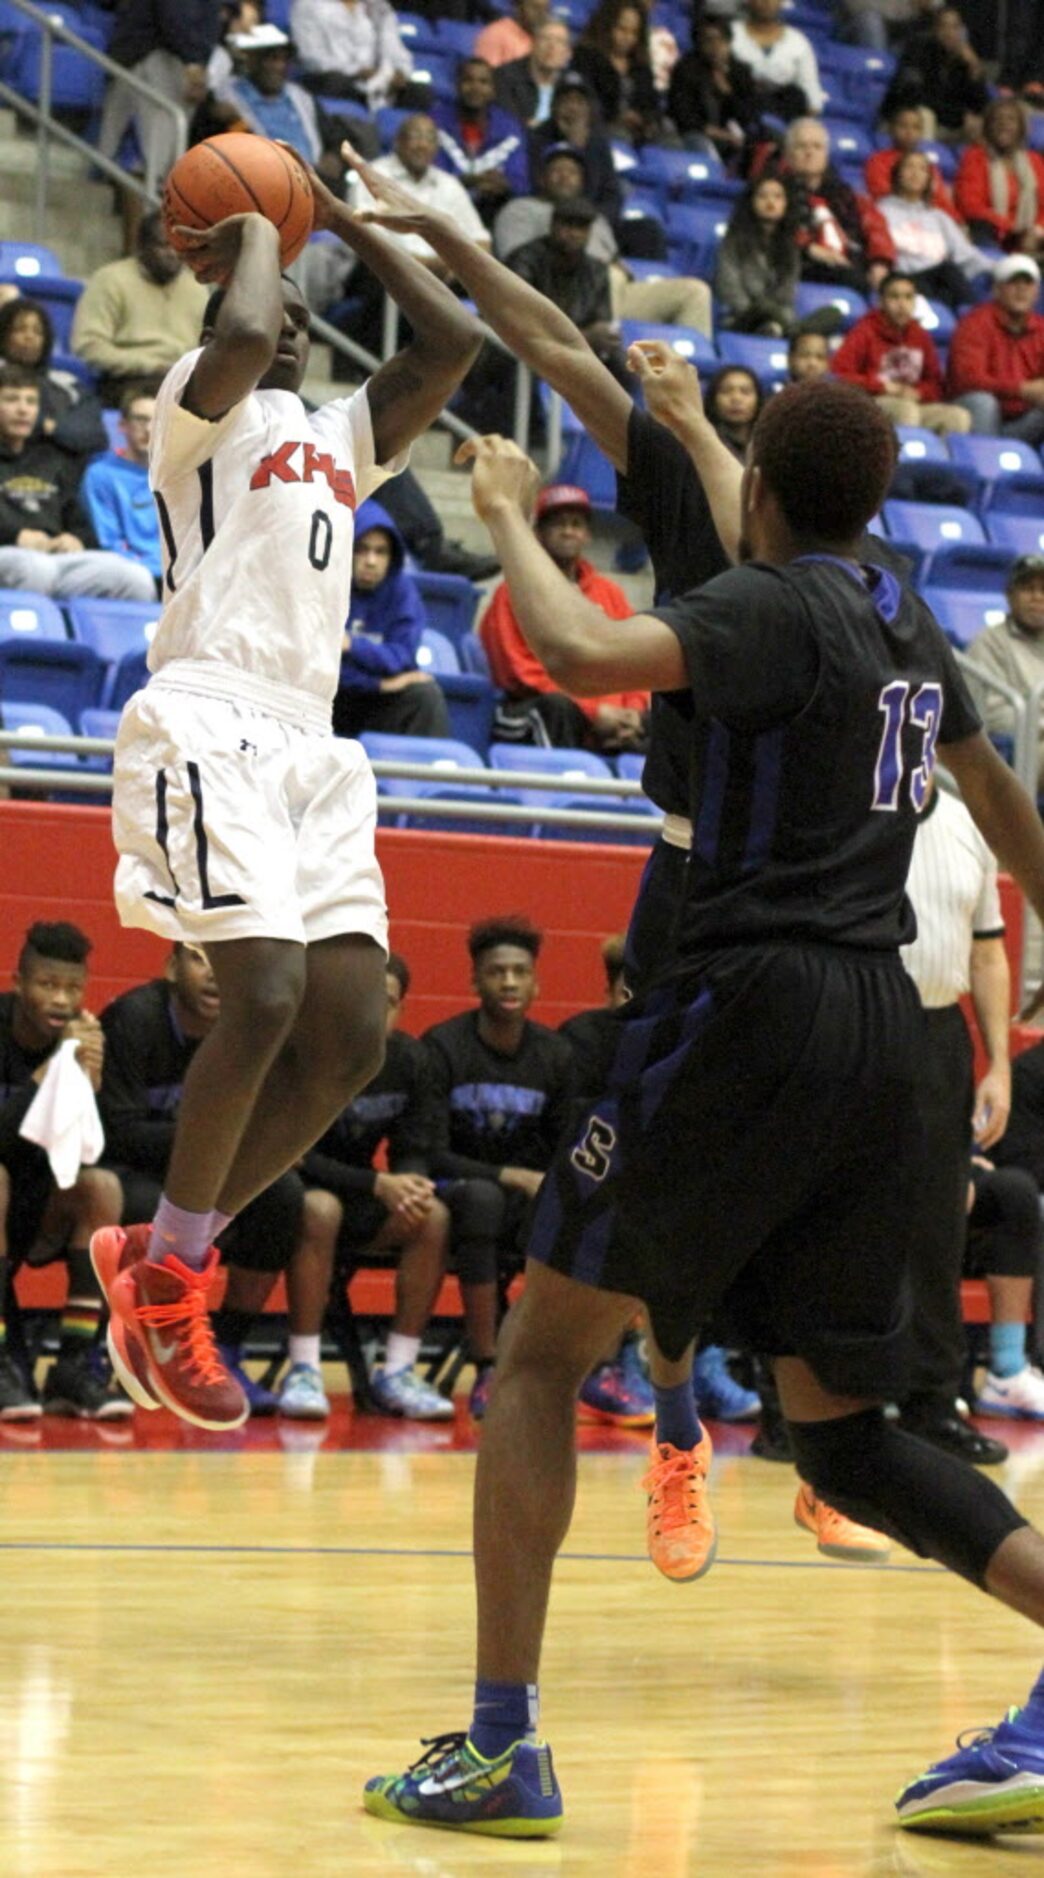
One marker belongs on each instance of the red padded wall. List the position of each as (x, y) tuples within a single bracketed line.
[(56, 862)]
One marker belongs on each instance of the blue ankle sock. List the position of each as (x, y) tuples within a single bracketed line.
[(676, 1417), (1031, 1715), (186, 1235), (1007, 1349), (505, 1712)]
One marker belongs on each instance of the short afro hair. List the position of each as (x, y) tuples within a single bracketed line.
[(508, 929), (828, 454), (56, 940)]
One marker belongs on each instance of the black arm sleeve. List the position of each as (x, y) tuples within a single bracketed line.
[(325, 1170), (409, 1137), (132, 1137)]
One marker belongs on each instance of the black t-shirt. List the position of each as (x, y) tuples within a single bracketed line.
[(591, 1035), (147, 1055), (395, 1107), (819, 692), (493, 1110), (17, 1088)]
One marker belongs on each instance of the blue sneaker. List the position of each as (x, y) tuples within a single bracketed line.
[(515, 1796), (719, 1397), (994, 1783), (481, 1390), (260, 1400), (619, 1392)]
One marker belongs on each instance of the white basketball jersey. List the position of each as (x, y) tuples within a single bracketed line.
[(257, 515)]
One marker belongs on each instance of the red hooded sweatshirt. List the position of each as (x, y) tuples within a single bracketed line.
[(519, 672), (875, 350)]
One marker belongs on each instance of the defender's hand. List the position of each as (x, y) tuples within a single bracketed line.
[(502, 473), (670, 384)]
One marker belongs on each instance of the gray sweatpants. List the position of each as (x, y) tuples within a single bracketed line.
[(94, 572)]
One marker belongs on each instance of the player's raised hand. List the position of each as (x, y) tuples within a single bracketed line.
[(211, 253), (669, 383), (501, 474)]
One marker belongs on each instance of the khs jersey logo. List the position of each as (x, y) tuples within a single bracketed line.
[(313, 464)]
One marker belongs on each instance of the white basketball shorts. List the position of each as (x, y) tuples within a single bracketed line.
[(234, 822)]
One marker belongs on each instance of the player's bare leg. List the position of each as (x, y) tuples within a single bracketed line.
[(308, 1279)]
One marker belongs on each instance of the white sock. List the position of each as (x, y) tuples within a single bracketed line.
[(402, 1352), (304, 1350)]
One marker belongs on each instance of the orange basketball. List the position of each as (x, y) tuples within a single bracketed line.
[(234, 174)]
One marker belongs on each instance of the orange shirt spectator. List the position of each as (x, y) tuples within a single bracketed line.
[(511, 38)]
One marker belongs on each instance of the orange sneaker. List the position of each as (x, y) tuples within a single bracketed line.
[(112, 1250), (679, 1525), (836, 1536), (163, 1316)]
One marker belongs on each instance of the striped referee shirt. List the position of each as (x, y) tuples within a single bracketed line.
[(952, 884)]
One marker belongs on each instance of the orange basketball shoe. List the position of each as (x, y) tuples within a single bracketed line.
[(679, 1525), (836, 1536), (112, 1250), (163, 1333)]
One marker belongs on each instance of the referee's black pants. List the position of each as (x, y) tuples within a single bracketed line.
[(938, 1223)]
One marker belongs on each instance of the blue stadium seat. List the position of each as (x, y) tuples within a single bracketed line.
[(697, 228), (469, 695), (26, 615), (98, 723), (932, 524), (31, 720), (766, 358), (1017, 494), (436, 653), (449, 603), (573, 764), (444, 755), (963, 616), (76, 82), (680, 172), (967, 567), (630, 767), (1021, 534), (937, 319), (995, 458), (811, 295), (848, 141), (685, 340), (277, 13), (68, 677), (26, 261), (585, 465), (917, 445), (114, 628), (473, 656), (388, 119), (123, 679), (456, 37), (437, 69), (636, 806), (643, 205)]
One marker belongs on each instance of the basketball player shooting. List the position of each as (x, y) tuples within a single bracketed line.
[(241, 824), (785, 1042)]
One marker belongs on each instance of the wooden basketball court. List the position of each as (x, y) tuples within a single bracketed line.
[(206, 1647)]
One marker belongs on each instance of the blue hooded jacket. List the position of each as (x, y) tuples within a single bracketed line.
[(386, 624)]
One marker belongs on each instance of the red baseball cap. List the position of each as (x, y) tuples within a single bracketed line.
[(561, 496)]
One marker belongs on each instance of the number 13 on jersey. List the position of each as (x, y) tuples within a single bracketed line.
[(923, 712)]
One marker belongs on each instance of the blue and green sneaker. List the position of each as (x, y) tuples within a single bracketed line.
[(994, 1783), (515, 1796)]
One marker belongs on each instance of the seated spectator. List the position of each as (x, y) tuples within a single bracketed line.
[(732, 402), (557, 265), (116, 494), (352, 49), (906, 129), (168, 47), (758, 264), (511, 36), (996, 363), (929, 245), (1013, 651), (808, 355), (380, 686), (384, 1211), (712, 100), (940, 71), (878, 24), (526, 86), (999, 186), (612, 54), (44, 537), (480, 144), (259, 96), (538, 712), (782, 60), (151, 1035), (678, 298), (69, 416), (843, 242), (501, 1092), (1003, 1245), (573, 122), (136, 317), (39, 1221), (894, 359)]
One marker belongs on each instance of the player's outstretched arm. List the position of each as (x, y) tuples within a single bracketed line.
[(530, 325), (583, 650), (672, 395), (243, 252), (1003, 812), (409, 391)]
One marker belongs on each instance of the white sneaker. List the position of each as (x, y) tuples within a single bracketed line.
[(403, 1392), (302, 1396), (1020, 1396)]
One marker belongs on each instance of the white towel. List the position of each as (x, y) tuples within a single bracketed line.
[(64, 1117)]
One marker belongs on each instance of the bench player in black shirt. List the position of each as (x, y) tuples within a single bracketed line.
[(785, 1042)]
